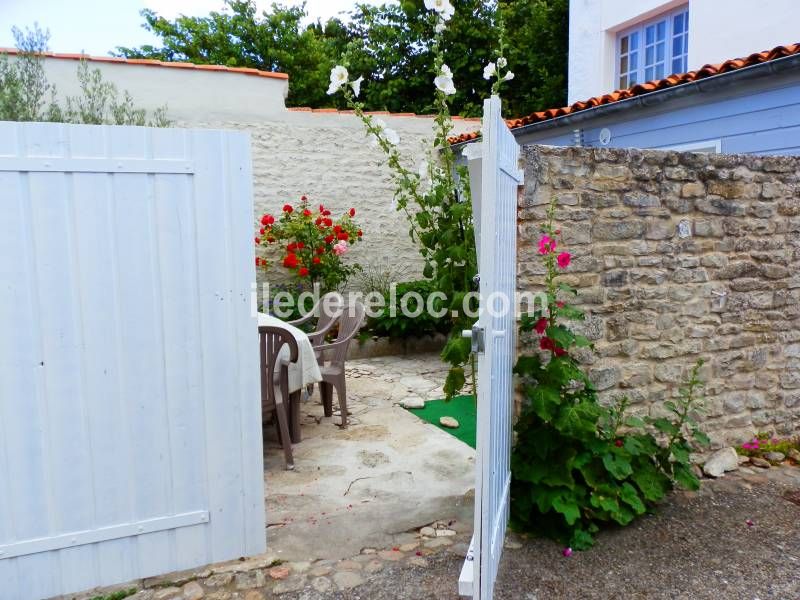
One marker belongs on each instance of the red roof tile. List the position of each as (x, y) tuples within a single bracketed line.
[(158, 63), (644, 88)]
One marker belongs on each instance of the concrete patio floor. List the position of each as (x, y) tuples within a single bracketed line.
[(370, 485)]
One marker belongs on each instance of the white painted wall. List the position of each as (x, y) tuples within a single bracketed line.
[(324, 155), (717, 31)]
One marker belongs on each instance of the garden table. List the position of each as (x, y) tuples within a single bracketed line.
[(302, 373)]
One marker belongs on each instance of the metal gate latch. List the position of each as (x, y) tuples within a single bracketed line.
[(476, 336)]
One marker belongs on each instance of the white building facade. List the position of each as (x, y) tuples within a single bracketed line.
[(614, 44)]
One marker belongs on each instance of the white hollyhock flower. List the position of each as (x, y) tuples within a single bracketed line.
[(391, 136), (502, 62), (440, 27), (379, 123), (339, 76), (489, 71), (508, 76), (356, 85), (444, 82), (424, 169), (443, 7)]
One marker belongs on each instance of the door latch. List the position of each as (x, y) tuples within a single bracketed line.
[(476, 336)]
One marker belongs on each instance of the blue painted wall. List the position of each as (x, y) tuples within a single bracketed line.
[(754, 117)]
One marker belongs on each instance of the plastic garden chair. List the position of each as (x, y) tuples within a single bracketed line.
[(274, 370), (331, 358), (328, 310)]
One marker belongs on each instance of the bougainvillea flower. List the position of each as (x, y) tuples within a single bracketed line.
[(302, 272), (541, 325), (290, 262), (287, 208), (340, 248), (563, 260)]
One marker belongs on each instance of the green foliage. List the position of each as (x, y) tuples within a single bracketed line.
[(402, 326), (24, 85), (395, 46), (578, 465), (119, 595)]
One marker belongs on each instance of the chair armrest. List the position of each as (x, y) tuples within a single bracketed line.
[(317, 337), (302, 320)]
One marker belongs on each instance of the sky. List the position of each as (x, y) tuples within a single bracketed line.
[(98, 26)]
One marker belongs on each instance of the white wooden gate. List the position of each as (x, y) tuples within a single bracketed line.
[(493, 337), (130, 428)]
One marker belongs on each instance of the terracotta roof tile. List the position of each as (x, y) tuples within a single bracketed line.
[(157, 63), (645, 88)]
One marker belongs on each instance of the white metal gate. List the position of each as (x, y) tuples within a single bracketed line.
[(130, 428), (493, 337)]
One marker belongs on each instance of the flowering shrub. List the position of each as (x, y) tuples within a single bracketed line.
[(763, 443), (310, 243), (432, 191), (577, 464)]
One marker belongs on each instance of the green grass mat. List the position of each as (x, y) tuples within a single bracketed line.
[(461, 408)]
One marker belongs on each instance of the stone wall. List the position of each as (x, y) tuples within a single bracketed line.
[(679, 256)]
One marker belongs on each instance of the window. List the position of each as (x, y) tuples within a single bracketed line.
[(653, 49)]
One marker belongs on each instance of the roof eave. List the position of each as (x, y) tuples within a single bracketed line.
[(705, 85)]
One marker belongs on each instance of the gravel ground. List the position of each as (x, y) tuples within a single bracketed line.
[(699, 546)]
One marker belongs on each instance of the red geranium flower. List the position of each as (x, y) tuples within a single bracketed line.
[(329, 239), (327, 222), (291, 247), (267, 220), (352, 212), (270, 239), (258, 262), (321, 208), (290, 262), (258, 240), (262, 231), (360, 233), (321, 250), (306, 212), (287, 208), (302, 272), (337, 228), (318, 221), (315, 260), (541, 325), (303, 198), (300, 245), (327, 213)]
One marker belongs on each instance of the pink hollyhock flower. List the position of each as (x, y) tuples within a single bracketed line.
[(749, 522), (340, 248), (563, 260), (546, 245), (566, 552)]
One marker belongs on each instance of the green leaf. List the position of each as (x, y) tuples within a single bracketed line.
[(568, 508), (630, 496), (634, 422), (427, 270), (454, 382), (633, 445), (529, 366), (545, 402), (581, 540), (665, 426), (604, 501), (651, 482), (617, 465), (700, 437), (578, 420), (582, 342), (561, 335), (685, 477), (680, 452)]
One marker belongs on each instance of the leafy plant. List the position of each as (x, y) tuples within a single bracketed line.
[(402, 326), (24, 86), (578, 465), (765, 442), (119, 595), (315, 243)]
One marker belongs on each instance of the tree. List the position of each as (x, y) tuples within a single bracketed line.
[(388, 44)]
